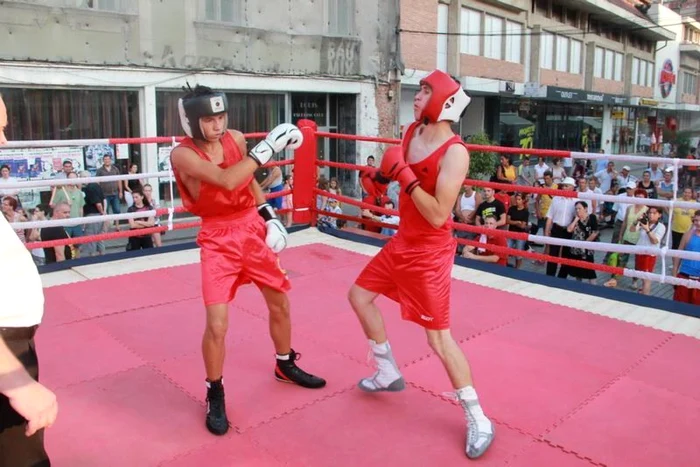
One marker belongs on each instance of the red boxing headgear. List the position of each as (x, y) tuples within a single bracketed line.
[(447, 101)]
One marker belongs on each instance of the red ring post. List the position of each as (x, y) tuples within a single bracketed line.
[(305, 174)]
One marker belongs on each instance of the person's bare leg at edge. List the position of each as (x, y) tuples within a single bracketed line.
[(480, 430), (214, 352)]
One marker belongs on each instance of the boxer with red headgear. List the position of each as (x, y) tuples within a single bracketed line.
[(414, 267), (240, 235)]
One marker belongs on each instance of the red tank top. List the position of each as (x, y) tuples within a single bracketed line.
[(215, 201), (413, 227)]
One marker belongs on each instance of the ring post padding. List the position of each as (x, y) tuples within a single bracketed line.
[(305, 174)]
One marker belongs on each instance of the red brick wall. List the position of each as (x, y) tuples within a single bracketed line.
[(387, 109), (559, 78), (608, 86), (482, 67), (642, 91), (419, 50)]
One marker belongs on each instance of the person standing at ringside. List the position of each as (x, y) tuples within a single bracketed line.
[(414, 267), (240, 234), (26, 406)]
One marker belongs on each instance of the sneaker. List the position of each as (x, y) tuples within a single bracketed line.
[(217, 422), (287, 371)]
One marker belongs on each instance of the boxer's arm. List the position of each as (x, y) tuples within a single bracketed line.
[(188, 162), (453, 170), (257, 193)]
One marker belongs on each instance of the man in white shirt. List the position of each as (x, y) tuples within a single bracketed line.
[(26, 407), (560, 214)]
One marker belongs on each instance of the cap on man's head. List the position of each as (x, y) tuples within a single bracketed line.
[(568, 181), (626, 167), (631, 185)]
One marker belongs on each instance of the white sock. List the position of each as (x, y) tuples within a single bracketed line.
[(387, 368), (282, 357), (468, 394), (381, 349)]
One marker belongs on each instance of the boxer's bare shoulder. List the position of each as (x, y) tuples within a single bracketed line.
[(240, 140), (454, 167)]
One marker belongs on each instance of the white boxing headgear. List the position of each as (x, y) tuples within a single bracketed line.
[(447, 100)]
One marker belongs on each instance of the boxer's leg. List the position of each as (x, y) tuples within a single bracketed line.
[(214, 351), (286, 369), (388, 376), (480, 430), (362, 302)]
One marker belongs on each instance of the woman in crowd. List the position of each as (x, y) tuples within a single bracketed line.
[(518, 220), (583, 228), (140, 204), (688, 269)]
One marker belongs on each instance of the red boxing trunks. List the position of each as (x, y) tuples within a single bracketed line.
[(418, 277), (234, 253)]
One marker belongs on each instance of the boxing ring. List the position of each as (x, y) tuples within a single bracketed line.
[(569, 378)]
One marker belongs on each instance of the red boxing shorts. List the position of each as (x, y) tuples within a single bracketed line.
[(684, 294), (418, 277), (234, 253), (644, 263)]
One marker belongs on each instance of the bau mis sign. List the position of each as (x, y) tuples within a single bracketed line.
[(588, 97), (667, 78)]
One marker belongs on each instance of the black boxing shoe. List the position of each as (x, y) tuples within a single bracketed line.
[(287, 371), (217, 422)]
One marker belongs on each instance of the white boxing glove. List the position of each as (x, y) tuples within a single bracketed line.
[(280, 138), (277, 235)]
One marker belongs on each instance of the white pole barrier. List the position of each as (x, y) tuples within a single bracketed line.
[(634, 158)]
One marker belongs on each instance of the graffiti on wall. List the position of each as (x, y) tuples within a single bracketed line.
[(170, 60), (340, 57)]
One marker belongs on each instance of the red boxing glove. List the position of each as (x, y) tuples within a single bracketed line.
[(373, 183), (394, 167)]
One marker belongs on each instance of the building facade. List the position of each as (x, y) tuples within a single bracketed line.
[(74, 69), (560, 74)]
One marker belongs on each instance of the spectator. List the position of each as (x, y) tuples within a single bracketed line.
[(332, 206), (682, 219), (94, 199), (63, 174), (646, 184), (129, 186), (148, 194), (656, 173), (39, 213), (484, 254), (62, 252), (543, 201), (113, 191), (558, 172), (273, 183), (518, 220), (11, 211), (288, 201), (597, 205), (540, 169), (629, 235), (5, 179), (75, 198), (583, 228), (651, 234), (559, 215), (491, 207), (688, 269), (385, 218), (141, 204), (505, 172), (526, 173), (665, 190)]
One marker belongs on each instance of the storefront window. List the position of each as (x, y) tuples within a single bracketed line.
[(61, 114), (333, 113), (517, 123), (624, 127)]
